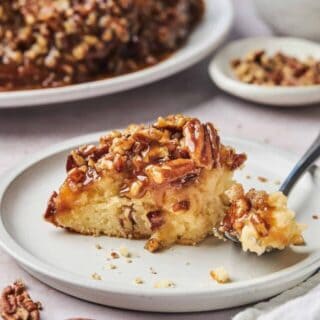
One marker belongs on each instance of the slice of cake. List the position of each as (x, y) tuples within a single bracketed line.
[(163, 182), (170, 182), (260, 221)]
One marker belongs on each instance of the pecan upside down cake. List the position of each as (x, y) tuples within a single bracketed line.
[(170, 182), (50, 43)]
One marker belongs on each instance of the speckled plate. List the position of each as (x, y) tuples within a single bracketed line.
[(66, 260), (206, 37)]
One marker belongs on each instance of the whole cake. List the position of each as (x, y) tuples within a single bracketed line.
[(170, 182), (50, 43)]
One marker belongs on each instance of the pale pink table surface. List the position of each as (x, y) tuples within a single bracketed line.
[(23, 132)]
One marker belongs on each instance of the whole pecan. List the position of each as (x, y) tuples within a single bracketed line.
[(16, 303), (197, 138)]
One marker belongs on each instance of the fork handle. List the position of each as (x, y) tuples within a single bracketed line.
[(312, 154)]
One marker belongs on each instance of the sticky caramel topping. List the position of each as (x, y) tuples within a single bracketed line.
[(173, 151), (50, 43)]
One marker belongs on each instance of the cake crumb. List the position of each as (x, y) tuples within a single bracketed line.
[(129, 260), (138, 280), (164, 284), (112, 266), (248, 176), (115, 255), (152, 271), (262, 179), (220, 275), (188, 263), (124, 252), (315, 217), (96, 276), (98, 246), (277, 182), (299, 241)]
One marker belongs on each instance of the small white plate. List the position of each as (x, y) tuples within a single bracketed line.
[(205, 38), (66, 260), (221, 73)]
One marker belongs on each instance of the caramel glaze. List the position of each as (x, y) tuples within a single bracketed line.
[(171, 153)]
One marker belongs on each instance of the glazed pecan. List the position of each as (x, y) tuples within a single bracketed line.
[(197, 139), (172, 171), (16, 303)]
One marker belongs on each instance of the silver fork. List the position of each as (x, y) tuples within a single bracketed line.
[(303, 165)]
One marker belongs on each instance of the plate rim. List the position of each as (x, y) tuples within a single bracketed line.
[(28, 261), (97, 88)]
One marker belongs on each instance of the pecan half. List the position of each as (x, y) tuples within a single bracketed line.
[(197, 139), (16, 303)]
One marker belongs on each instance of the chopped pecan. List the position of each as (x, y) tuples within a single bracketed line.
[(16, 303), (258, 199), (76, 175), (171, 171), (230, 159), (260, 225), (181, 205), (173, 122), (278, 69), (156, 219)]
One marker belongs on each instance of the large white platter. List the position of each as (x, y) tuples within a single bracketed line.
[(205, 38), (66, 261)]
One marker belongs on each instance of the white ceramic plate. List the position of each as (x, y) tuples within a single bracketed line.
[(205, 38), (66, 261), (221, 73)]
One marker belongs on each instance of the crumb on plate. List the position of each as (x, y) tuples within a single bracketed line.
[(138, 280), (115, 255), (220, 275), (96, 276), (161, 284), (124, 252), (262, 179)]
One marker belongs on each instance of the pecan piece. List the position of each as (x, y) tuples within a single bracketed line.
[(172, 171), (17, 304), (181, 205), (197, 139), (156, 219)]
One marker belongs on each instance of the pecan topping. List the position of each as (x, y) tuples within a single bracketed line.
[(16, 303), (276, 70), (156, 219), (51, 43), (173, 151)]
